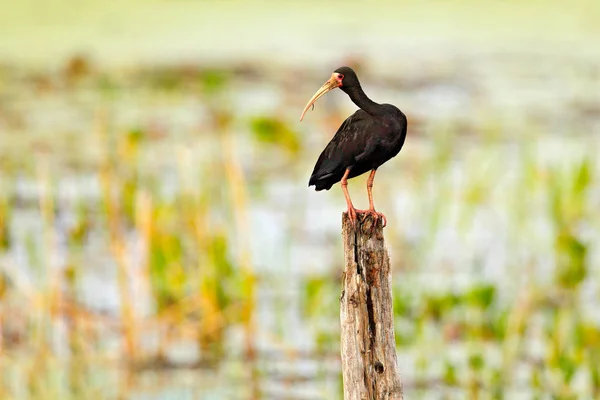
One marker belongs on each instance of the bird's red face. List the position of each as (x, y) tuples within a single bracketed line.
[(334, 82)]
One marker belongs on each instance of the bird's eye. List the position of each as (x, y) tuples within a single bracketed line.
[(340, 76)]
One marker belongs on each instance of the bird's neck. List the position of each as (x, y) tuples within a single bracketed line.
[(358, 97)]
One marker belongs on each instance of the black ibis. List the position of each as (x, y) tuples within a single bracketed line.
[(365, 140)]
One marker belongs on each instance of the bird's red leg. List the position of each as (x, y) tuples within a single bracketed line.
[(371, 209), (351, 210)]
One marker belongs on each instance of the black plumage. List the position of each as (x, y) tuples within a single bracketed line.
[(365, 140)]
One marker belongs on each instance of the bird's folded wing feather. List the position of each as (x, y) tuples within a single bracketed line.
[(350, 141)]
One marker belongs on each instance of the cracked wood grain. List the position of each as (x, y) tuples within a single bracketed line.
[(370, 370)]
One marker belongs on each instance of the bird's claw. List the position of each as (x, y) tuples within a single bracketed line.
[(376, 215), (352, 215), (383, 220)]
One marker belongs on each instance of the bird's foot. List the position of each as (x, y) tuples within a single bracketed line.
[(376, 215), (352, 212)]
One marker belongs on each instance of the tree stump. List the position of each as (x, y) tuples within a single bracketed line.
[(368, 343)]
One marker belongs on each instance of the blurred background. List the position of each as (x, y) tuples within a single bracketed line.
[(158, 239)]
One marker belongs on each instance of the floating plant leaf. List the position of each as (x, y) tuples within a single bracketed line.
[(275, 131)]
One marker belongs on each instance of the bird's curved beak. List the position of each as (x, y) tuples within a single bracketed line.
[(332, 83)]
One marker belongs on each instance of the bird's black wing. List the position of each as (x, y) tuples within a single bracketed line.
[(351, 140)]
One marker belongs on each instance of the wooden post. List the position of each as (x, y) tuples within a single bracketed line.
[(366, 315)]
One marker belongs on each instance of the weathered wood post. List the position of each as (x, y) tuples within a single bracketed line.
[(366, 315)]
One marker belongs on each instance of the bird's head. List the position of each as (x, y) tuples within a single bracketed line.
[(343, 78)]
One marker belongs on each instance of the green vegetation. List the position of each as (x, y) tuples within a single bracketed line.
[(151, 229)]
